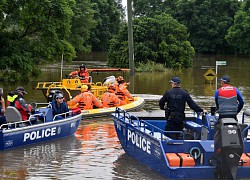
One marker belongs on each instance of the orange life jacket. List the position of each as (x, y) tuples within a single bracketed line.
[(86, 100), (109, 99), (122, 92), (83, 75)]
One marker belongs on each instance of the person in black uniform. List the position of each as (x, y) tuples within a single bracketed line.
[(176, 99)]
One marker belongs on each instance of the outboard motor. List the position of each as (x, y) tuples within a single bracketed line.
[(52, 94), (108, 80), (228, 148)]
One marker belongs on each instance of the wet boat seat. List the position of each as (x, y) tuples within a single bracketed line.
[(48, 113), (12, 114), (193, 126)]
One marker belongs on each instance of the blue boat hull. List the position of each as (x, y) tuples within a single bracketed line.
[(150, 148), (15, 137)]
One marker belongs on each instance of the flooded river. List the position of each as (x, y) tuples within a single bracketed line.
[(95, 152)]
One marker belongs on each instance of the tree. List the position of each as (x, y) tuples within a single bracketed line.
[(207, 21), (151, 8), (83, 23), (108, 15), (238, 34), (160, 39), (37, 31)]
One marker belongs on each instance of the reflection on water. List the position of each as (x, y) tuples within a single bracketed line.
[(103, 157), (128, 168), (100, 147), (40, 160)]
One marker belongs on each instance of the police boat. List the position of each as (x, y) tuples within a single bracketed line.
[(207, 148), (40, 127)]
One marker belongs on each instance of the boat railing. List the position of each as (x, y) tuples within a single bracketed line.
[(152, 130), (46, 84), (62, 115), (32, 118), (159, 134), (148, 127), (61, 87), (246, 113)]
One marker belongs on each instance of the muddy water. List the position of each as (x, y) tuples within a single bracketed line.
[(94, 152)]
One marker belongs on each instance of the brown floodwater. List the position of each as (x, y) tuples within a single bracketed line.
[(95, 152)]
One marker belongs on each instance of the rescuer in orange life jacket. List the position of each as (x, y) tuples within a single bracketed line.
[(82, 73), (109, 98), (122, 91), (85, 100)]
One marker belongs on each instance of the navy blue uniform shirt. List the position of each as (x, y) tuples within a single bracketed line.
[(176, 99)]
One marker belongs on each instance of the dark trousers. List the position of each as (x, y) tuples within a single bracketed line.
[(172, 125), (2, 120)]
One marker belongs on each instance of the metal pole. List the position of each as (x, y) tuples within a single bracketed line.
[(216, 75), (130, 39), (61, 67)]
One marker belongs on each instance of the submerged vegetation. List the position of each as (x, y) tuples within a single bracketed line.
[(150, 66)]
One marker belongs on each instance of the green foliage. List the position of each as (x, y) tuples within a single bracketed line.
[(150, 66), (160, 39), (151, 8), (207, 21), (82, 25), (238, 34), (37, 31), (108, 18), (9, 75)]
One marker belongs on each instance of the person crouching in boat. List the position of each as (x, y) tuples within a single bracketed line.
[(122, 91), (82, 73), (85, 100), (109, 98), (176, 99), (16, 99), (59, 106)]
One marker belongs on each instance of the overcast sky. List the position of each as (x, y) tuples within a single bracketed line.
[(124, 2)]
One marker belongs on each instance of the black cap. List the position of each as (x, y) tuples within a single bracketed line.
[(21, 89), (176, 80), (82, 66), (225, 79)]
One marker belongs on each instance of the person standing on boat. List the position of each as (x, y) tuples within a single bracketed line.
[(229, 102), (176, 99), (228, 99), (59, 106), (82, 73), (16, 99), (85, 100), (109, 98), (2, 109), (122, 91)]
